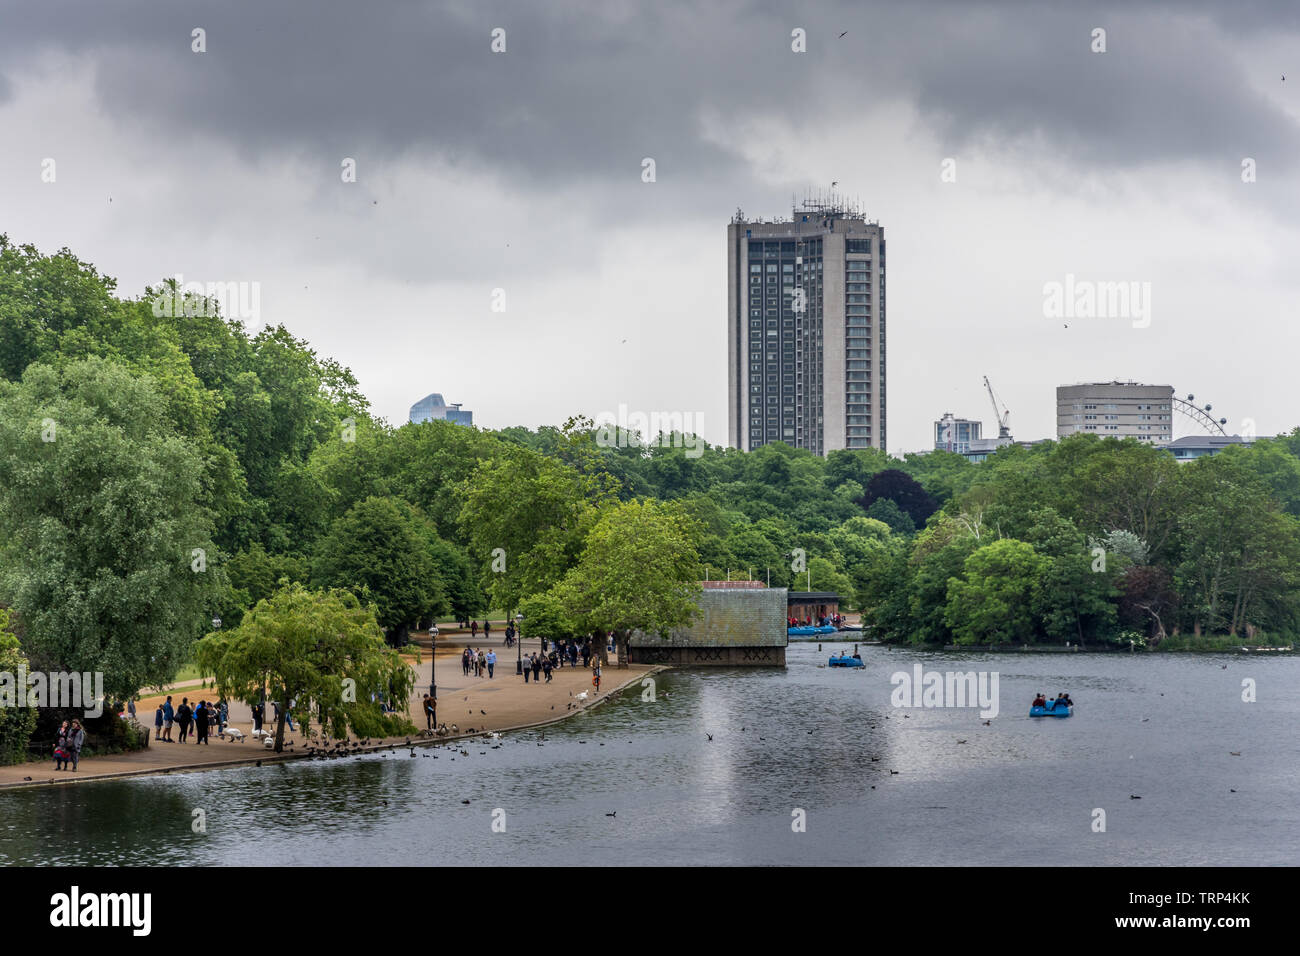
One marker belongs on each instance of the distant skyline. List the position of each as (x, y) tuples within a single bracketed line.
[(1001, 154)]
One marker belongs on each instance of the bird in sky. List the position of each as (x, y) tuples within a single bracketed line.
[(845, 33)]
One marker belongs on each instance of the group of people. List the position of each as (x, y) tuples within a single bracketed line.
[(539, 664), (67, 749), (200, 718), (1059, 699), (473, 659), (545, 663), (833, 620), (563, 651)]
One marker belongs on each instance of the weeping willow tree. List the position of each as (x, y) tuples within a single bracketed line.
[(318, 652), (16, 723)]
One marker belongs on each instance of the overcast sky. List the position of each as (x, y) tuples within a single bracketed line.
[(522, 171)]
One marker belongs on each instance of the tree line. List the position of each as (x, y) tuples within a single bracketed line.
[(158, 471)]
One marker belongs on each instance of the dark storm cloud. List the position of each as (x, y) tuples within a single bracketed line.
[(583, 93), (1171, 86)]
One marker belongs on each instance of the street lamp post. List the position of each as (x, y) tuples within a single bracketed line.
[(433, 660), (519, 643)]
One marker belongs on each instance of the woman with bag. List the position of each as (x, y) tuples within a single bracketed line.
[(61, 755)]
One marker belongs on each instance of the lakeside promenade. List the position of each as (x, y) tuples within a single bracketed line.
[(485, 704)]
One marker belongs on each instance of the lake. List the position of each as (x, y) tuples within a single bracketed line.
[(1018, 791)]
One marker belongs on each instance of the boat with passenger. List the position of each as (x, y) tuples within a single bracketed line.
[(1060, 706), (843, 660)]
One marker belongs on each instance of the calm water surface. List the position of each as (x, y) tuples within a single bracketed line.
[(1019, 791)]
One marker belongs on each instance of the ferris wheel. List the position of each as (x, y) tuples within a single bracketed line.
[(1201, 415)]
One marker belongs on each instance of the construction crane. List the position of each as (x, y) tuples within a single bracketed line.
[(1003, 416)]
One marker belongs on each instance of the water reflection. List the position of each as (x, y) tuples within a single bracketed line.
[(1017, 791)]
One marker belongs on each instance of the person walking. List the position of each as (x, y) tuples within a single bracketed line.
[(169, 718), (61, 754), (259, 715), (487, 629), (573, 654), (76, 737), (430, 711), (528, 667), (491, 663), (546, 666), (537, 669), (223, 715), (158, 723), (130, 708), (184, 715), (464, 661), (595, 674), (201, 723), (288, 716), (473, 629)]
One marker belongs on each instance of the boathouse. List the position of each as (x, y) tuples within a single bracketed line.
[(812, 605), (739, 624)]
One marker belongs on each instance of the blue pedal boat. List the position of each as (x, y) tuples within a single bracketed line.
[(846, 662), (809, 631), (1051, 710)]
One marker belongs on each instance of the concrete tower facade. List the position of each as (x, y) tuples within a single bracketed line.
[(806, 330)]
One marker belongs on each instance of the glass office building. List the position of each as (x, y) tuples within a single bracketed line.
[(433, 408)]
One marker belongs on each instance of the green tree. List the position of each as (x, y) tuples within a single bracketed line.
[(545, 617), (993, 604), (638, 571), (938, 556), (16, 723), (1238, 551), (827, 577), (106, 551), (525, 517), (320, 652), (886, 511), (384, 549), (255, 575)]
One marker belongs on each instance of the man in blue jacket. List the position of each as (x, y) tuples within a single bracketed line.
[(169, 717)]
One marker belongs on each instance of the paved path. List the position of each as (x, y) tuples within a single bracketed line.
[(482, 703)]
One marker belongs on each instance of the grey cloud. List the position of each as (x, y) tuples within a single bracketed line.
[(585, 91)]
